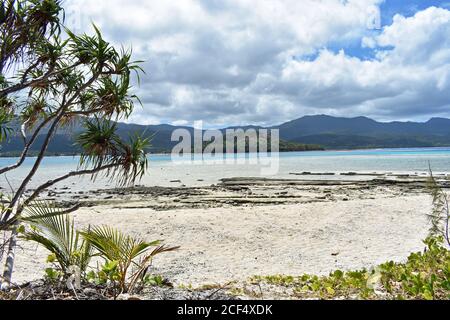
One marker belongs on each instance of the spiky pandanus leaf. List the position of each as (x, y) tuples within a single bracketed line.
[(64, 77), (5, 119), (103, 147)]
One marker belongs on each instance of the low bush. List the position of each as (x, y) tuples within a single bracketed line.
[(424, 276)]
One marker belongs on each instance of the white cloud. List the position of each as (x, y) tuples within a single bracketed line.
[(239, 62), (409, 77)]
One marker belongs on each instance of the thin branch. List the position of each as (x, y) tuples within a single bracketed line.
[(70, 210), (4, 244), (85, 112), (23, 131), (447, 218), (36, 134), (36, 165), (23, 85), (27, 147), (59, 213), (27, 72), (50, 183), (441, 210), (59, 115)]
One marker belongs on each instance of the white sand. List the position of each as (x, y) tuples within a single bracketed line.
[(224, 244)]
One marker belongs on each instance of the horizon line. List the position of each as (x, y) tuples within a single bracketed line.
[(192, 125)]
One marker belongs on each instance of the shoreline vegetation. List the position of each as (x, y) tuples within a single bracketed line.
[(67, 77), (285, 214), (241, 238), (423, 275), (283, 147)]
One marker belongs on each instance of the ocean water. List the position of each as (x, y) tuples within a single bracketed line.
[(199, 172)]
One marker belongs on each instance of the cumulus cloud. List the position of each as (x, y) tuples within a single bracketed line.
[(264, 62)]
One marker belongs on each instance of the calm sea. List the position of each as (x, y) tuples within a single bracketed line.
[(164, 172)]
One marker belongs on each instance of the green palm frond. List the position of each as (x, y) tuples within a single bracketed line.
[(40, 210), (57, 234), (124, 250), (115, 245)]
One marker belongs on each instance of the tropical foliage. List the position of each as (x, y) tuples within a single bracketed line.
[(126, 161), (56, 232), (127, 259), (5, 128), (51, 79), (424, 276)]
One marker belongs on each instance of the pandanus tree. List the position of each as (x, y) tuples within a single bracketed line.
[(51, 78)]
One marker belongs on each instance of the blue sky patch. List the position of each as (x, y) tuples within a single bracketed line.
[(407, 8), (388, 10)]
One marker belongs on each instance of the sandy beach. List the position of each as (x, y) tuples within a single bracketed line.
[(244, 227)]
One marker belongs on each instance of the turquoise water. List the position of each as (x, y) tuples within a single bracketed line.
[(415, 152), (163, 171), (430, 153)]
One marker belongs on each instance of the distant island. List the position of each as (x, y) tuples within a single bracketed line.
[(285, 146), (308, 133)]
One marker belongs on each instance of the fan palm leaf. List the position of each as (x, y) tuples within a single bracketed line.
[(115, 246), (41, 210), (56, 233)]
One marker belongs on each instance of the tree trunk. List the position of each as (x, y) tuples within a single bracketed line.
[(11, 255), (3, 244), (9, 264)]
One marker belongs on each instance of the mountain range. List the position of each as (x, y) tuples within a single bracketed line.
[(362, 132), (306, 133)]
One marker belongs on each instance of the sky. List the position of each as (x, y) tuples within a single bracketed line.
[(264, 62)]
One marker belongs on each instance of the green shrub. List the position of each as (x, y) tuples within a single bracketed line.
[(108, 273), (156, 281), (424, 276)]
